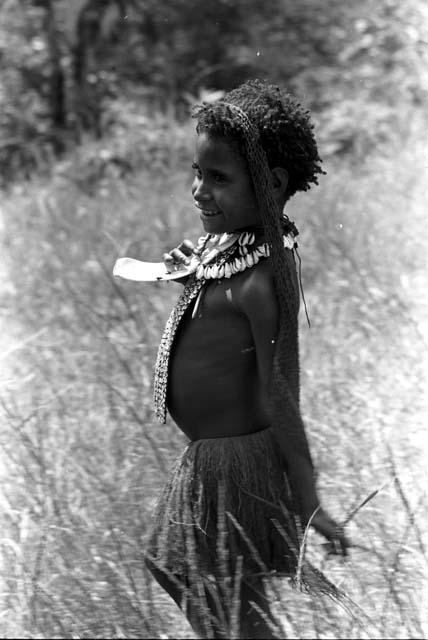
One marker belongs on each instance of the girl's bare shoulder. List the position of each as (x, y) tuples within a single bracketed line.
[(255, 290)]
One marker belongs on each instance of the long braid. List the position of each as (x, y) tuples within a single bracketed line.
[(285, 387)]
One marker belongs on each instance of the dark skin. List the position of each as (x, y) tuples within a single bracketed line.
[(219, 371), (222, 357)]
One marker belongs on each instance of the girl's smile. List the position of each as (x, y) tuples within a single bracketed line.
[(222, 188)]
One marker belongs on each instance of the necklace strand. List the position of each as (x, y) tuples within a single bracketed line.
[(213, 265)]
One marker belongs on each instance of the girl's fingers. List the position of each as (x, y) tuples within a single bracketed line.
[(337, 543), (179, 257), (168, 261), (187, 247)]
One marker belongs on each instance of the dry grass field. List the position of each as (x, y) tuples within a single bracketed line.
[(82, 458)]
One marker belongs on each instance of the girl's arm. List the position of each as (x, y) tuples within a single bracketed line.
[(258, 301)]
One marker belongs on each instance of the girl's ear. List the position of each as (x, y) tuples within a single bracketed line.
[(280, 181)]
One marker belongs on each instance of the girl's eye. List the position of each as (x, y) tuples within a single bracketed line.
[(219, 177), (214, 175), (197, 171)]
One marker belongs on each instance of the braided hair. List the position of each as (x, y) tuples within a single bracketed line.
[(271, 129)]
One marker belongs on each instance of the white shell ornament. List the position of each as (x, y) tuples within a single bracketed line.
[(205, 260)]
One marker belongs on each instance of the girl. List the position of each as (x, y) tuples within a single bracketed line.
[(228, 372)]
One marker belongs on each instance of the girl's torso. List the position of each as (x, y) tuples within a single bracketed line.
[(213, 384)]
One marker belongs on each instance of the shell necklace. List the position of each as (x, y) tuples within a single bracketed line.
[(223, 261)]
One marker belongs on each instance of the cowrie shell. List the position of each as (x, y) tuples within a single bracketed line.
[(249, 260), (200, 272), (251, 238), (221, 271), (227, 271), (202, 241), (214, 271), (288, 242), (243, 239)]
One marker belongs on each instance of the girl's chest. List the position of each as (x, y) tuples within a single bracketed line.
[(217, 300), (214, 322)]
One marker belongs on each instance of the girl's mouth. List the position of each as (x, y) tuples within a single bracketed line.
[(210, 214), (207, 213)]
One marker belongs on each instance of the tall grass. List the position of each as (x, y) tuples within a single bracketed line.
[(83, 459)]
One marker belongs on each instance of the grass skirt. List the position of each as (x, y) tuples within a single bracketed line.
[(226, 508)]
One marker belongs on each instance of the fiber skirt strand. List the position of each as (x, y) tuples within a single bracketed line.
[(226, 498)]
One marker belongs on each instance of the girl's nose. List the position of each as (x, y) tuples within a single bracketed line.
[(199, 191)]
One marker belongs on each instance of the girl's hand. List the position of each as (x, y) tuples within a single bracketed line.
[(179, 258), (338, 543)]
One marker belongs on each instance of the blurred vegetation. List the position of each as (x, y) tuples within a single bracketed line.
[(95, 152), (65, 65)]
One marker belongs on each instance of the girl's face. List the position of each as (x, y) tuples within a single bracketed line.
[(222, 188)]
